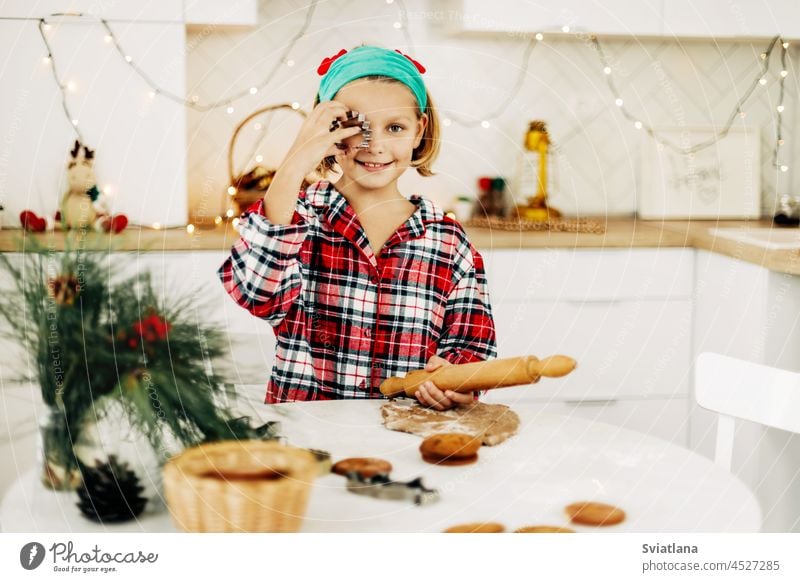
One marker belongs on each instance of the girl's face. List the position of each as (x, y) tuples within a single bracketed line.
[(391, 110)]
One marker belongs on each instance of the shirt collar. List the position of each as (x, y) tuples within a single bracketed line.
[(334, 207)]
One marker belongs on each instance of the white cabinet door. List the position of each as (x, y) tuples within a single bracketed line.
[(516, 275), (610, 17), (623, 348), (726, 19)]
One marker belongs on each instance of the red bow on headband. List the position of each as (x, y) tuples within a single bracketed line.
[(328, 61), (420, 68)]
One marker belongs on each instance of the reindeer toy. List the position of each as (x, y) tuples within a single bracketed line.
[(83, 205)]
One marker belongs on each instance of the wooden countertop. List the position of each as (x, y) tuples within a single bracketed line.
[(620, 233)]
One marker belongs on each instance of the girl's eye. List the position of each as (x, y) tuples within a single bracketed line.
[(395, 128)]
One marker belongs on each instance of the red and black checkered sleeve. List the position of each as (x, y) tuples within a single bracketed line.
[(263, 273), (469, 332)]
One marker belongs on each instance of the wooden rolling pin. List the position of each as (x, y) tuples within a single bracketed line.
[(482, 375)]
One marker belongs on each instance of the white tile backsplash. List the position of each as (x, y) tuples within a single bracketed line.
[(597, 166)]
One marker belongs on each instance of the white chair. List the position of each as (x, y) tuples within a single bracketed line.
[(736, 388)]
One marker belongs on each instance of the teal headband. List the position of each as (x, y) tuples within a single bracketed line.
[(365, 61)]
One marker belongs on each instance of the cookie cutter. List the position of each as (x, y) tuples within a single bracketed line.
[(381, 486), (353, 119)]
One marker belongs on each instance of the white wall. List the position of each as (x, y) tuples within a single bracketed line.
[(140, 141), (664, 81)]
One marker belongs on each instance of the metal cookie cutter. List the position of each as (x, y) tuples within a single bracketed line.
[(382, 487), (353, 119)]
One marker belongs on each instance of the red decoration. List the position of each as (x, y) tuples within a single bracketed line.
[(31, 222), (420, 68), (328, 61), (152, 328), (484, 184)]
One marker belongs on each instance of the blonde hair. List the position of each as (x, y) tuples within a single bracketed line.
[(424, 154)]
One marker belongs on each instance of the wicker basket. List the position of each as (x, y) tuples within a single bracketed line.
[(251, 185), (239, 486)]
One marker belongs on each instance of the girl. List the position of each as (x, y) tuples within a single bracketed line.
[(359, 282)]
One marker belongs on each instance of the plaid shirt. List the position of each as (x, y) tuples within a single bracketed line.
[(344, 319)]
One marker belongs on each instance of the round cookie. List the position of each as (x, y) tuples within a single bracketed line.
[(366, 467), (450, 462), (453, 445), (543, 529), (488, 527), (593, 513)]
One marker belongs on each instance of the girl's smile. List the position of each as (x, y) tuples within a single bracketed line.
[(397, 129)]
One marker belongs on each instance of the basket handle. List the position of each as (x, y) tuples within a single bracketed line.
[(245, 121)]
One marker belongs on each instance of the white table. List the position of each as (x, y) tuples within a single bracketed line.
[(527, 480)]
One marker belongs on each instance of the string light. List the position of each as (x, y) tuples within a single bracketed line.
[(190, 228), (46, 60), (232, 190), (253, 90), (295, 105), (398, 25), (108, 38), (737, 110), (217, 220), (259, 158), (290, 63), (156, 225), (485, 124), (229, 110), (565, 28), (539, 36), (229, 213)]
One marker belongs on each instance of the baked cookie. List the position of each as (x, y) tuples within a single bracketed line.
[(366, 467), (488, 527), (593, 513), (452, 448), (543, 529), (449, 462)]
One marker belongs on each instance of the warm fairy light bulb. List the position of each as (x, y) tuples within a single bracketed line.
[(46, 60), (784, 168), (194, 98), (485, 124), (108, 38), (259, 158), (539, 36), (47, 27), (156, 225), (780, 142), (295, 105), (72, 86), (229, 110), (743, 114), (190, 228), (253, 90), (607, 70), (231, 190), (565, 28), (763, 56), (763, 81), (258, 126), (229, 213), (128, 58), (780, 108), (786, 45), (235, 222), (398, 25), (217, 219), (75, 122), (108, 189), (784, 73), (290, 63), (389, 1), (151, 94), (638, 125), (446, 122), (618, 102)]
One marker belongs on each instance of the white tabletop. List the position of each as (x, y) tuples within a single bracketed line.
[(528, 480)]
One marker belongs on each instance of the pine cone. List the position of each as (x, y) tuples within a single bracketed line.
[(110, 492)]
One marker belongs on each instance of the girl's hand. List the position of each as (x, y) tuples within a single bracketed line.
[(315, 140), (431, 396)]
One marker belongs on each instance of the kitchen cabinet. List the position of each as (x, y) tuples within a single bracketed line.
[(720, 19), (612, 17), (625, 315), (713, 19), (749, 312)]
